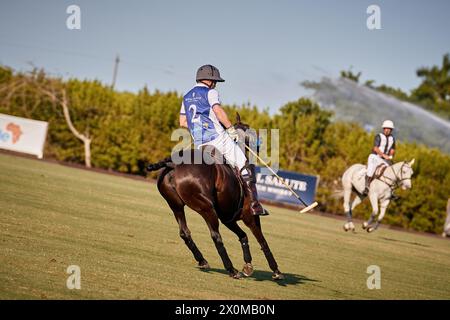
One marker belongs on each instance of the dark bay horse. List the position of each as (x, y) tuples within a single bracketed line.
[(215, 191)]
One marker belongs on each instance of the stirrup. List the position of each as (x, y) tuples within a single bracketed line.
[(394, 197), (365, 192), (264, 212)]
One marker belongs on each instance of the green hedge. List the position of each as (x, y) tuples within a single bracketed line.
[(129, 130)]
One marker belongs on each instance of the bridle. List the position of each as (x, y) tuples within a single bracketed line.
[(396, 182)]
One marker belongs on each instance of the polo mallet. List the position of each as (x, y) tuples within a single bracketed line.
[(307, 208)]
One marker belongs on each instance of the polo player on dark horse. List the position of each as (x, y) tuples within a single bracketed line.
[(217, 191)]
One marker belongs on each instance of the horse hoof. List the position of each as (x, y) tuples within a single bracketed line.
[(277, 275), (236, 275), (349, 226), (247, 270), (203, 265), (371, 229), (365, 225)]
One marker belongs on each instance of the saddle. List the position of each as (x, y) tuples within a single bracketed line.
[(379, 171), (204, 155), (212, 155)]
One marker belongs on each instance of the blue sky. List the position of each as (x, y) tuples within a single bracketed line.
[(264, 49)]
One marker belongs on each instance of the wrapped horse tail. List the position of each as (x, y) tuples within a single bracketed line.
[(165, 163)]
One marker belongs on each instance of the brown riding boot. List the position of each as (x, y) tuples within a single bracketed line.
[(366, 189), (255, 207)]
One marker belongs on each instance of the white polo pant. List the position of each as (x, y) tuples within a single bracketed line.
[(373, 162), (229, 149)]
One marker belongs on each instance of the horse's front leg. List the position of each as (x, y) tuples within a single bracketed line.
[(254, 224), (185, 234), (213, 225), (383, 207), (243, 239), (374, 202), (248, 267), (217, 238)]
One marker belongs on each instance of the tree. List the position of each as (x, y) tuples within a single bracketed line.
[(435, 82), (350, 75), (302, 125), (396, 92), (58, 95), (434, 91), (125, 131), (35, 90)]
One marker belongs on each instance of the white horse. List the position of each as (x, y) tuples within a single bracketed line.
[(380, 191), (446, 232)]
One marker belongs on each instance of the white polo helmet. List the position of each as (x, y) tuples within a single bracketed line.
[(388, 124)]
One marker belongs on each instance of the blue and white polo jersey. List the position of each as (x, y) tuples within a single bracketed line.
[(202, 121)]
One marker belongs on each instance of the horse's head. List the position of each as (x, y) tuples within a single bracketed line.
[(405, 173), (239, 125), (243, 130)]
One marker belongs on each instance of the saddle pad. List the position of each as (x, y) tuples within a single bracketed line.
[(361, 173)]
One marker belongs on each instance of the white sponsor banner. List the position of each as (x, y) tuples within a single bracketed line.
[(22, 135)]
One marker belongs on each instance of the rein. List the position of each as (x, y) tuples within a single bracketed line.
[(396, 181)]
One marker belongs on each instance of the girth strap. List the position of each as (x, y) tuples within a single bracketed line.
[(241, 195)]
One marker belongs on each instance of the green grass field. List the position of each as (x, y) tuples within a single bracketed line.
[(124, 238)]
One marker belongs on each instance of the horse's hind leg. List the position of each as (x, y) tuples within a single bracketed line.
[(347, 208), (248, 268), (177, 205), (254, 224)]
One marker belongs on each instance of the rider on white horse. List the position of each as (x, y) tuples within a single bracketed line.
[(446, 232), (202, 114), (382, 153)]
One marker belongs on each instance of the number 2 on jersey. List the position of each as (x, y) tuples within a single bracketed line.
[(195, 117)]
